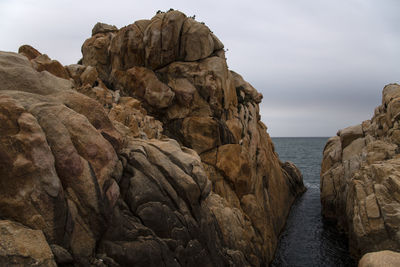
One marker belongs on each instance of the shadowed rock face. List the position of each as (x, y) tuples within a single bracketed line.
[(152, 153), (360, 178)]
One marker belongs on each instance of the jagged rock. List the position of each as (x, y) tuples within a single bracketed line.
[(214, 112), (61, 255), (382, 258), (360, 175), (130, 112), (63, 163), (12, 66), (162, 161), (143, 83), (28, 51), (103, 28), (21, 246), (96, 53), (44, 63), (349, 134)]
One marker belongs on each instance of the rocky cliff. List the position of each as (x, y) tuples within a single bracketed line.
[(360, 178), (150, 153)]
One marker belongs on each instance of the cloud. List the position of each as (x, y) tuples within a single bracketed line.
[(319, 64)]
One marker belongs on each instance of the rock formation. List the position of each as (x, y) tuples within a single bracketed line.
[(151, 153), (385, 258), (360, 178)]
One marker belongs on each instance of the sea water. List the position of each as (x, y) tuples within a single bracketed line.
[(306, 239)]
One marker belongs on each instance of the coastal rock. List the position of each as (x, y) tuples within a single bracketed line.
[(143, 83), (151, 153), (44, 63), (65, 160), (360, 177), (212, 110), (21, 246), (12, 66)]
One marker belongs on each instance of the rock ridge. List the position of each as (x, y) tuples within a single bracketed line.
[(360, 178), (149, 153)]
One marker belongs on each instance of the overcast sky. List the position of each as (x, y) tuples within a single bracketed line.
[(320, 64)]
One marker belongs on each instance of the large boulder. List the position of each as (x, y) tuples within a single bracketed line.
[(58, 158), (12, 66)]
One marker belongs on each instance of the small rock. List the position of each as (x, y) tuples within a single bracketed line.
[(385, 258), (103, 28), (61, 255)]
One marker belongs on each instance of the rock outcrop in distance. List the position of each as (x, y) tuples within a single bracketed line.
[(151, 153), (360, 179)]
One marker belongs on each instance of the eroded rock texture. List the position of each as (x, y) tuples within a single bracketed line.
[(151, 153), (360, 178)]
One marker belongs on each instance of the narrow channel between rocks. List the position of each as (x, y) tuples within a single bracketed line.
[(306, 239)]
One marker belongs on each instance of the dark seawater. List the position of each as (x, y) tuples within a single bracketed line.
[(306, 240)]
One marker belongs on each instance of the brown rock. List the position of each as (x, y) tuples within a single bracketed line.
[(127, 47), (126, 193), (21, 246), (349, 134), (61, 255), (359, 189), (184, 91), (103, 28), (143, 83), (382, 258), (44, 63), (14, 66), (56, 159), (201, 133), (89, 76), (95, 53), (161, 39), (28, 51), (197, 41), (390, 92), (248, 89)]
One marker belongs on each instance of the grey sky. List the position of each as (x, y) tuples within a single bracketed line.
[(320, 64)]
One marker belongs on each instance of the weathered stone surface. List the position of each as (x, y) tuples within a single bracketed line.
[(56, 160), (28, 51), (103, 28), (349, 134), (151, 154), (143, 83), (44, 63), (359, 180), (95, 53), (21, 246), (385, 258), (13, 67)]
